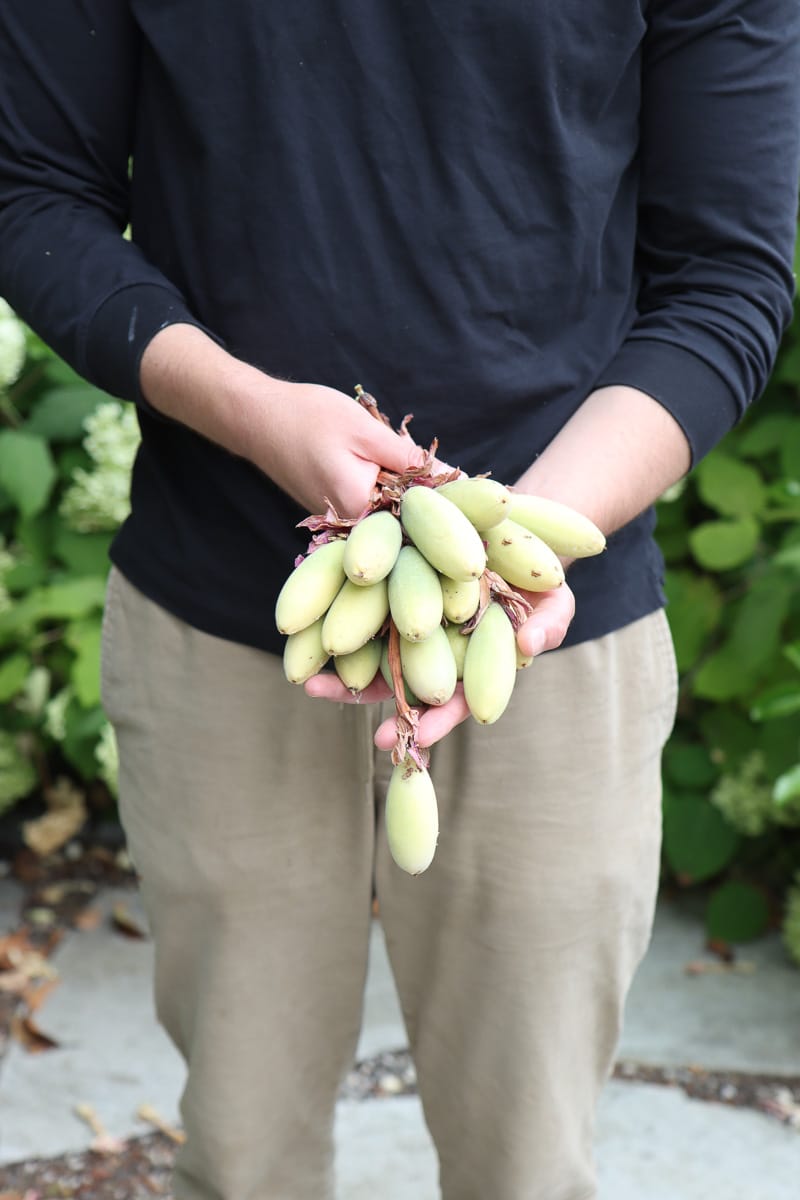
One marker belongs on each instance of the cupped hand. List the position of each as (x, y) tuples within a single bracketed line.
[(322, 447), (545, 629)]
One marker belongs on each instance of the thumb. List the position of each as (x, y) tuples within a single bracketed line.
[(396, 451)]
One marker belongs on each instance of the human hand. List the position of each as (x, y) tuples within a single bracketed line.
[(324, 448), (545, 629)]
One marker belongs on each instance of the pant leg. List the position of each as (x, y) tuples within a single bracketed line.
[(254, 841), (514, 952)]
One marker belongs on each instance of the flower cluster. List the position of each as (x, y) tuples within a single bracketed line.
[(12, 346), (107, 755), (745, 799), (98, 500)]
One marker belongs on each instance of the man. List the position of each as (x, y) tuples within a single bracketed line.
[(558, 234)]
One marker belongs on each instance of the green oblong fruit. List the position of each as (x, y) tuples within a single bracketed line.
[(412, 818), (310, 589), (415, 595), (441, 532), (460, 598), (355, 616), (357, 670), (565, 530), (484, 501), (490, 666), (458, 644), (522, 558), (430, 667), (304, 654), (372, 548)]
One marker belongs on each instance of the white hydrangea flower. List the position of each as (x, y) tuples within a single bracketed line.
[(98, 500), (745, 798), (107, 755), (12, 346)]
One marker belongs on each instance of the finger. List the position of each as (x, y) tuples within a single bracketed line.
[(392, 450), (434, 724), (328, 686), (547, 627)]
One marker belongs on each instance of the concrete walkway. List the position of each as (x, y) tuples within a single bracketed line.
[(654, 1142)]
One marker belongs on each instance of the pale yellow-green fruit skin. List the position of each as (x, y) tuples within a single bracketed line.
[(460, 598), (522, 558), (303, 654), (483, 501), (310, 589), (411, 699), (490, 666), (357, 670), (523, 660), (412, 818), (372, 547), (458, 644), (415, 595), (565, 530), (355, 616), (441, 532), (430, 667)]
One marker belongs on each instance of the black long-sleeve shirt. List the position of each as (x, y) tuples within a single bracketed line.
[(481, 210)]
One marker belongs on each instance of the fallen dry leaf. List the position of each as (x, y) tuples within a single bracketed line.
[(146, 1112), (48, 833), (103, 1141), (705, 967), (28, 1034), (124, 923), (87, 918), (36, 995)]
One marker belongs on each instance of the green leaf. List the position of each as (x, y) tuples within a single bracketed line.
[(17, 775), (756, 632), (737, 912), (694, 605), (787, 786), (782, 700), (698, 841), (721, 676), (788, 557), (61, 412), (27, 470), (83, 553), (83, 728), (722, 545), (84, 638), (790, 451), (766, 435), (688, 764), (13, 673), (73, 598), (733, 488), (729, 735), (792, 652)]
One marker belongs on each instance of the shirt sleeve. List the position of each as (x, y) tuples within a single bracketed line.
[(719, 160), (68, 73)]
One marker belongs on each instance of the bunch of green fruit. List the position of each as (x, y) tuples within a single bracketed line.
[(421, 589)]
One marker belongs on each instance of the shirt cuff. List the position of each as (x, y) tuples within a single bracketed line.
[(692, 391), (120, 331)]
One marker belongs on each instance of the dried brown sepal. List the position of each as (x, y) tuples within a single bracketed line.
[(516, 607), (407, 721)]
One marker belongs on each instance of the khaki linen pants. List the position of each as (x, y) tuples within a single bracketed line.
[(254, 816)]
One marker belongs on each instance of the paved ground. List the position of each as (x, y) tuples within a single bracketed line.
[(654, 1142)]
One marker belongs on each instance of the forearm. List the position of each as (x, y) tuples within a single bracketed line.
[(615, 456)]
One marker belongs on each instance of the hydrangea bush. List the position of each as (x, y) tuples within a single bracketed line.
[(730, 535)]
